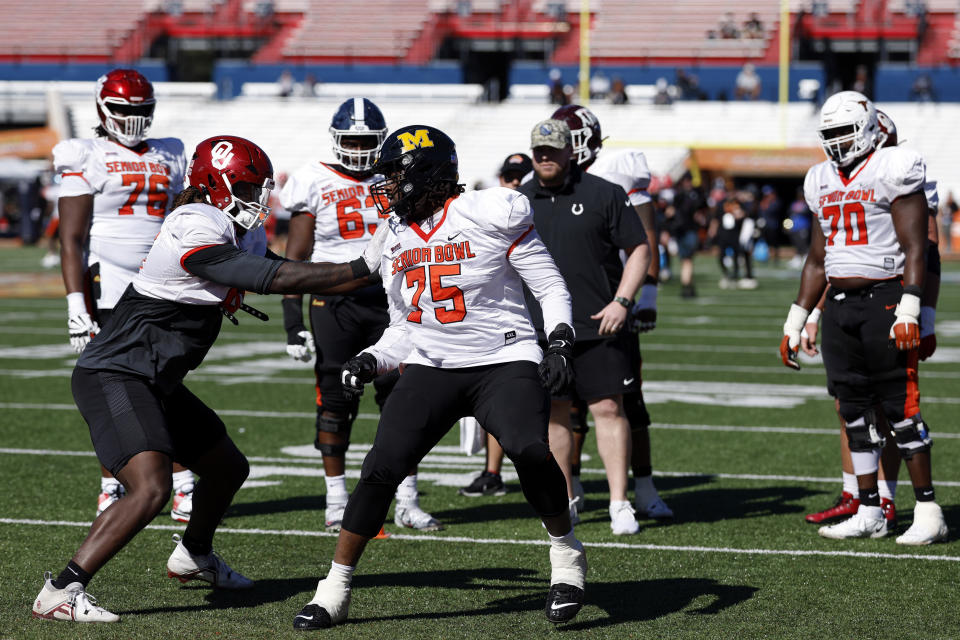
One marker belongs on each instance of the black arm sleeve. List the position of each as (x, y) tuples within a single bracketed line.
[(226, 264)]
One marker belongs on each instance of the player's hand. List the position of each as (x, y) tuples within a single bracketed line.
[(81, 328), (905, 331), (808, 337), (643, 316), (358, 371), (556, 369), (790, 344), (301, 347), (233, 300), (928, 338), (612, 318)]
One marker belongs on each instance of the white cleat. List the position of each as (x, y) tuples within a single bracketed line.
[(407, 513), (328, 607), (623, 520), (858, 526), (656, 509), (928, 525), (184, 566), (109, 496), (70, 603), (182, 503), (333, 515)]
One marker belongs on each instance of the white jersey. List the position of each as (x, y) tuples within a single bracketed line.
[(186, 230), (132, 192), (344, 211), (627, 168), (455, 285), (854, 213)]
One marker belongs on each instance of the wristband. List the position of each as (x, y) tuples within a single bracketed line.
[(626, 302), (359, 268), (796, 318), (76, 304), (912, 290), (814, 316), (928, 316)]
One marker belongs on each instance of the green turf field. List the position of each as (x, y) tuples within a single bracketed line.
[(743, 448)]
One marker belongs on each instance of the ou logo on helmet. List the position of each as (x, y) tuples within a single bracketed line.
[(221, 154)]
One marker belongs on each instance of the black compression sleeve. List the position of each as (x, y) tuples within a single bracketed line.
[(226, 264)]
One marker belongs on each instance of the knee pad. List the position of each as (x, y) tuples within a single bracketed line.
[(862, 433), (912, 436), (636, 410), (341, 425)]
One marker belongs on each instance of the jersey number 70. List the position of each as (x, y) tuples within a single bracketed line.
[(850, 210), (418, 278)]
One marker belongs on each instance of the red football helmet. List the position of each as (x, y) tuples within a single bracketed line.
[(887, 136), (125, 105), (585, 129), (236, 176)]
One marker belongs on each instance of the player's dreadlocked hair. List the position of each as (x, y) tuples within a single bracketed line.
[(189, 196)]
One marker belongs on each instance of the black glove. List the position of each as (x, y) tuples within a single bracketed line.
[(556, 369), (356, 372)]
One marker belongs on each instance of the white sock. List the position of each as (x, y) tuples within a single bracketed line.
[(107, 485), (407, 490), (567, 541), (336, 488), (341, 573), (181, 478), (850, 484), (888, 489), (870, 512)]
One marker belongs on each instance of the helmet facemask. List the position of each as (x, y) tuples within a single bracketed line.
[(126, 121), (411, 198), (248, 202), (848, 127), (362, 159)]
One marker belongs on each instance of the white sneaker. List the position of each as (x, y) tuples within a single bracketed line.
[(182, 503), (327, 608), (407, 513), (184, 566), (747, 283), (50, 260), (578, 492), (69, 603), (109, 496), (623, 520), (928, 525), (575, 508), (656, 508), (726, 283), (333, 515), (858, 526)]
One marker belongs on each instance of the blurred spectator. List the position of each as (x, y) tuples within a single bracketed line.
[(753, 27), (684, 221), (464, 8), (173, 7), (922, 89), (748, 83), (769, 219), (728, 27), (732, 230), (263, 8), (662, 97), (309, 85), (861, 81), (820, 8), (688, 86), (798, 226), (618, 91), (599, 86), (285, 84), (514, 169), (557, 93)]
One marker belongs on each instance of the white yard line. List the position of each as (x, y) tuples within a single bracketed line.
[(532, 543)]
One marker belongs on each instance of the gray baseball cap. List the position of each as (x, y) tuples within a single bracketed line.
[(551, 133)]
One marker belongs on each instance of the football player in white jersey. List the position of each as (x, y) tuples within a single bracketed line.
[(870, 246), (332, 215), (128, 383), (627, 168), (453, 267), (848, 502), (116, 189)]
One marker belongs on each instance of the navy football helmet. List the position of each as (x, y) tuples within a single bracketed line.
[(357, 118), (420, 169)]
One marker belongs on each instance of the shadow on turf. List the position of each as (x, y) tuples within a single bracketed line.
[(287, 505)]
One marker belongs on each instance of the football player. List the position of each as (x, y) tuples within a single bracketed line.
[(870, 246), (453, 267), (627, 168), (848, 503), (115, 191), (128, 383), (332, 215)]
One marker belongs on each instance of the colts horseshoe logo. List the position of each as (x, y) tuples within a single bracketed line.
[(576, 209)]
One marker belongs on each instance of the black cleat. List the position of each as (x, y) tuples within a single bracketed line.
[(563, 602), (312, 616), (486, 484)]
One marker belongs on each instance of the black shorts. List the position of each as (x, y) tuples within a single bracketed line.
[(864, 367), (605, 368), (127, 415), (343, 326), (507, 399)]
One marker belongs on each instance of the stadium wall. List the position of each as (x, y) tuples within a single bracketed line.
[(155, 70)]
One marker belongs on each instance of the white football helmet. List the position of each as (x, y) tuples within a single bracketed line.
[(887, 131), (848, 127)]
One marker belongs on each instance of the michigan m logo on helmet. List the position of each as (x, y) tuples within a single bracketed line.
[(418, 139)]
